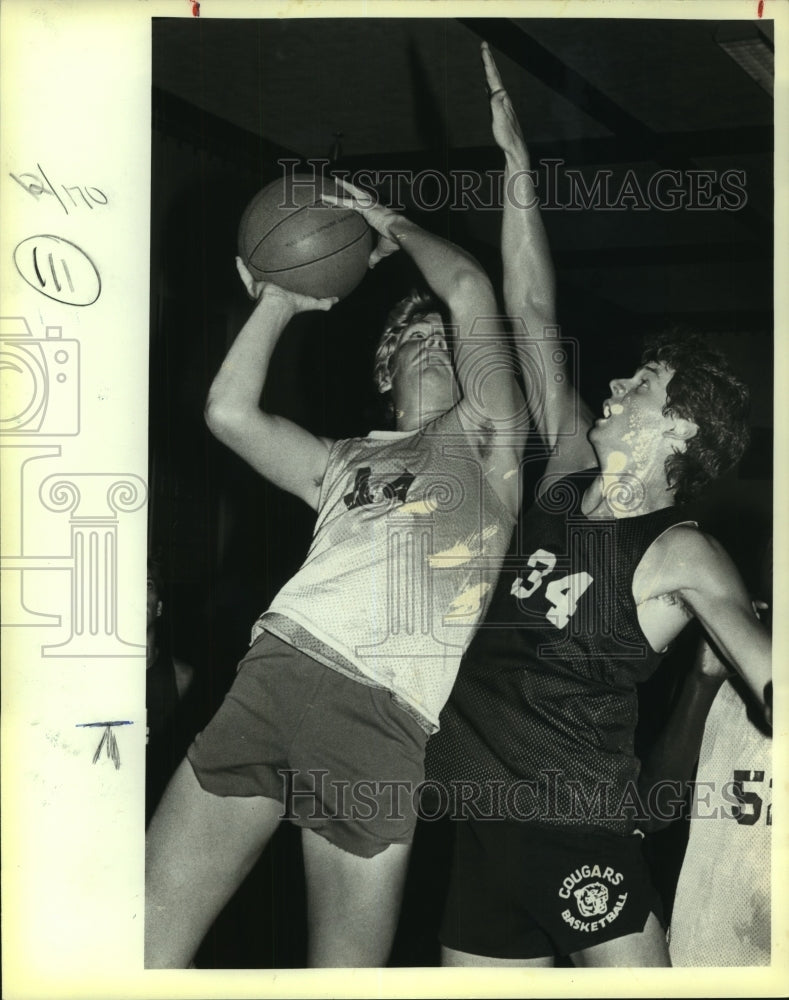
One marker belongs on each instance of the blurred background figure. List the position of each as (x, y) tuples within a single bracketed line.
[(721, 910), (169, 705)]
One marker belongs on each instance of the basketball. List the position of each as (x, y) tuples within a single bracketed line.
[(287, 236)]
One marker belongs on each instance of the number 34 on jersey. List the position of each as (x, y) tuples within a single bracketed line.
[(562, 594)]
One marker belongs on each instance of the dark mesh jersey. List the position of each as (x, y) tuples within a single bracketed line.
[(540, 724)]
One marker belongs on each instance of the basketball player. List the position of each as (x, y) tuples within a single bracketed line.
[(721, 910), (604, 571), (327, 720)]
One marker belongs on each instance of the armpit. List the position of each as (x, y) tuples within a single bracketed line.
[(675, 599), (662, 618), (485, 434)]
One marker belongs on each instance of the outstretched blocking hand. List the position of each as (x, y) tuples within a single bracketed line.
[(376, 216), (297, 302), (506, 129)]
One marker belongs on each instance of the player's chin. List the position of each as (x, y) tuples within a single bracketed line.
[(433, 371), (439, 373), (597, 431)]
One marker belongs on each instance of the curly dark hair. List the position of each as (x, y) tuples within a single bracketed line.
[(703, 389)]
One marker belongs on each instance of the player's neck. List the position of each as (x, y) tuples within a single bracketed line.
[(414, 420), (414, 410), (626, 494)]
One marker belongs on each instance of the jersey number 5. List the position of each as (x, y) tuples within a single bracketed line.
[(562, 594)]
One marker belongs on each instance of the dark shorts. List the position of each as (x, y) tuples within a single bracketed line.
[(340, 755), (519, 891)]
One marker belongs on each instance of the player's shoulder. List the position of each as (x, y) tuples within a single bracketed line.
[(683, 555), (686, 541)]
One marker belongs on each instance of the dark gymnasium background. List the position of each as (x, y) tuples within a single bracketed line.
[(604, 98)]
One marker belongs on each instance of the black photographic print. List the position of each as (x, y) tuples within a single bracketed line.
[(425, 356)]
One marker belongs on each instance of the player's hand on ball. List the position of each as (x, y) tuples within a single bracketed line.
[(506, 129), (253, 287), (257, 290), (376, 216)]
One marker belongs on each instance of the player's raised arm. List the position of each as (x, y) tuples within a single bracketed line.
[(530, 285), (459, 281), (286, 454)]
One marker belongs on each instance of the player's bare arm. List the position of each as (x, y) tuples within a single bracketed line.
[(691, 568), (559, 415), (286, 454)]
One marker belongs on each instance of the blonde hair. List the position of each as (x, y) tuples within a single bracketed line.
[(414, 306)]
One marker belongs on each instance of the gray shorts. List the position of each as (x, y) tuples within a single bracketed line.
[(341, 756)]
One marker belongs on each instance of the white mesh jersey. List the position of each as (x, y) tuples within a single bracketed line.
[(407, 545), (721, 913)]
